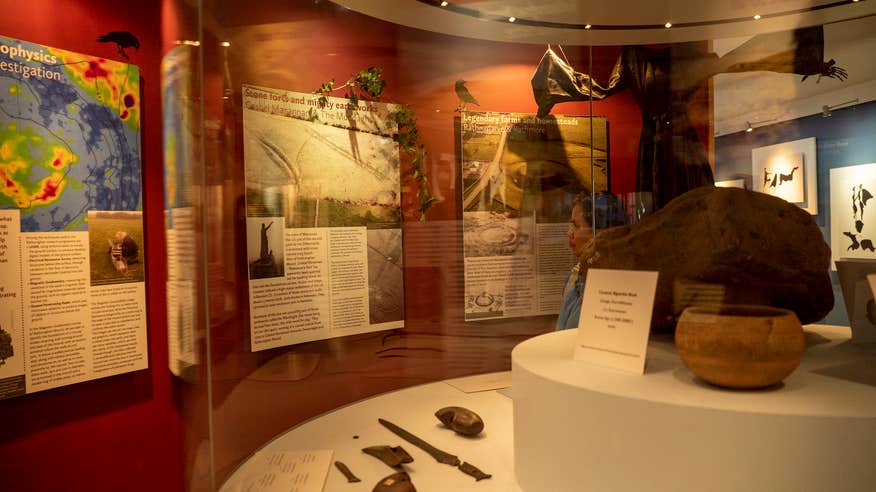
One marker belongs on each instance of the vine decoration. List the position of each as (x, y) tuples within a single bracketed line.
[(368, 85)]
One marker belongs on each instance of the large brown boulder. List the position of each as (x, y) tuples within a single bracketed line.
[(723, 245)]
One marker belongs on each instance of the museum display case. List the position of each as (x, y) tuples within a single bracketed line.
[(376, 210)]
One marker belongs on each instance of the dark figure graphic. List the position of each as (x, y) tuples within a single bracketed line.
[(265, 265), (264, 253), (464, 95), (6, 350), (130, 250), (787, 177), (766, 178), (855, 244), (775, 178), (860, 197), (123, 40), (854, 204), (123, 251), (671, 158)]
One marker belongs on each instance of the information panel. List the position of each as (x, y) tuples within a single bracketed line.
[(323, 215), (72, 272), (520, 174)]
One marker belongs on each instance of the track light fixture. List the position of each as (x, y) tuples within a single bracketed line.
[(749, 126), (827, 111)]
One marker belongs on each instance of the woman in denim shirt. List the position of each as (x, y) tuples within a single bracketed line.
[(582, 229)]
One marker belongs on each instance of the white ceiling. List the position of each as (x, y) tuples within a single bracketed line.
[(756, 97), (766, 97), (618, 13)]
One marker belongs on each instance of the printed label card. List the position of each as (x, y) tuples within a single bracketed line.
[(287, 471), (616, 318)]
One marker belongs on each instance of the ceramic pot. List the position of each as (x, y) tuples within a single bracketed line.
[(740, 346)]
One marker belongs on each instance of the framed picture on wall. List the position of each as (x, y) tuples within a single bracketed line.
[(787, 170), (853, 212)]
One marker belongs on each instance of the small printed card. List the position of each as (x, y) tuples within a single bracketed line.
[(287, 471), (616, 318)]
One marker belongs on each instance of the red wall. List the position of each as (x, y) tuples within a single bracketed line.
[(297, 46), (126, 432), (123, 432)]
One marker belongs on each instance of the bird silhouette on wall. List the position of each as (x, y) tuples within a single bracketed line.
[(787, 177), (776, 178), (123, 40), (464, 95)]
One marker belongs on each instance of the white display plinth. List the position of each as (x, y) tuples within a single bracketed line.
[(581, 427)]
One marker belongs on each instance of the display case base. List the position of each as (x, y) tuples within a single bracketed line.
[(582, 427)]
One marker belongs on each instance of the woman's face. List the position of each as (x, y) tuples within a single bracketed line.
[(580, 232)]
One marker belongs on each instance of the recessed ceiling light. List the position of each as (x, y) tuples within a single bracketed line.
[(588, 26), (444, 4), (756, 16), (512, 19), (667, 25), (225, 43)]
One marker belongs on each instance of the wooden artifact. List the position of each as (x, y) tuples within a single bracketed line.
[(740, 346)]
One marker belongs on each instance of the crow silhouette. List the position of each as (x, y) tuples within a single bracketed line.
[(464, 95), (123, 40)]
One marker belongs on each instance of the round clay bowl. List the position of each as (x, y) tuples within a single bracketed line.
[(739, 346)]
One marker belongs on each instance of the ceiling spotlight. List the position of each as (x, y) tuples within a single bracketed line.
[(667, 25), (512, 19), (225, 43), (749, 127), (756, 16), (444, 4), (588, 26)]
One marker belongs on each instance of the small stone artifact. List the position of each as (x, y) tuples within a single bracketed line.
[(740, 346), (732, 245), (397, 482), (392, 456), (351, 478), (461, 420)]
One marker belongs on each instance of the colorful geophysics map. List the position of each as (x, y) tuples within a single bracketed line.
[(69, 135)]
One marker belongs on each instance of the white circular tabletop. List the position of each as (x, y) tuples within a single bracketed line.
[(835, 378)]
